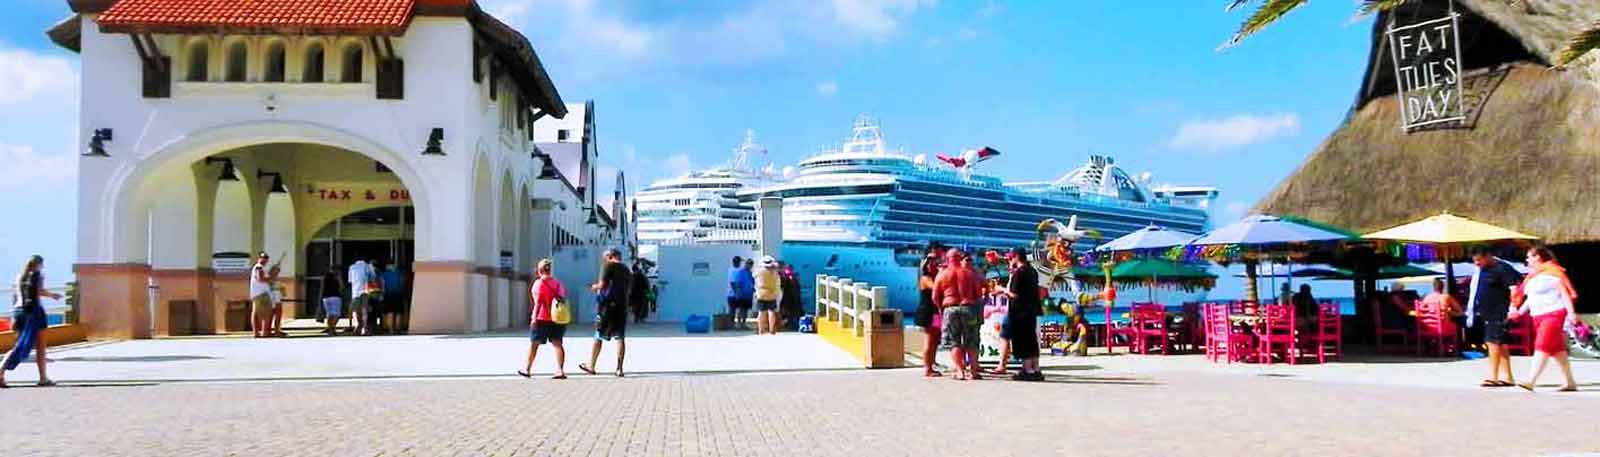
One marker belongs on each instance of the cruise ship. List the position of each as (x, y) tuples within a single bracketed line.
[(865, 212), (702, 206)]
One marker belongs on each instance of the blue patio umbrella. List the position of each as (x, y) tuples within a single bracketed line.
[(1147, 239), (1266, 231)]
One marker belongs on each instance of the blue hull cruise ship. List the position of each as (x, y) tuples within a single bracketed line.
[(866, 213)]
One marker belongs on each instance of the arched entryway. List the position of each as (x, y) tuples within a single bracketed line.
[(193, 209)]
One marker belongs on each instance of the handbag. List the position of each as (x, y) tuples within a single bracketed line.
[(560, 311)]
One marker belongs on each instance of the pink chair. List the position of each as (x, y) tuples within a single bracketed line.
[(1435, 330), (1276, 330), (1330, 332), (1223, 340), (1149, 322)]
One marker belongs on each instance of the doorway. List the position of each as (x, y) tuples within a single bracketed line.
[(382, 236)]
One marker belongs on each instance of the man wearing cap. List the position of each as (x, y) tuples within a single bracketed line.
[(1022, 319), (769, 290)]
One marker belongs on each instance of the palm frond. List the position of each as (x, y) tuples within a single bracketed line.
[(1235, 4), (1269, 12), (1584, 41), (1370, 7)]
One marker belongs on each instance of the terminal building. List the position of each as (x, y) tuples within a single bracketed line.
[(405, 132)]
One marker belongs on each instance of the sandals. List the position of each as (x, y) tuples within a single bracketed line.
[(1495, 383), (585, 368), (1568, 389), (46, 383), (932, 374), (619, 372), (525, 374), (559, 376), (1524, 386)]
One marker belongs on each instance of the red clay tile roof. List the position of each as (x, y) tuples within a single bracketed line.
[(385, 17)]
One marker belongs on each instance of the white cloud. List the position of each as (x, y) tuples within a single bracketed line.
[(29, 75), (26, 75), (27, 171), (1233, 212), (1213, 135), (827, 88), (877, 19), (578, 38), (677, 164)]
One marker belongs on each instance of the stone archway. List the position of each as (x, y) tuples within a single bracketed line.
[(155, 219)]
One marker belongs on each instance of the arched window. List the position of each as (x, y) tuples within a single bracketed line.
[(313, 64), (236, 58), (351, 72), (273, 72), (198, 59)]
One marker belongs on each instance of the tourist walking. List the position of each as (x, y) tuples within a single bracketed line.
[(956, 291), (361, 279), (544, 323), (769, 290), (611, 319), (332, 301), (639, 296), (928, 312), (1021, 325), (29, 321), (1488, 303), (741, 290), (394, 299), (1547, 296), (260, 298), (789, 307)]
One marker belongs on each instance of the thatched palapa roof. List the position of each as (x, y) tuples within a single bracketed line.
[(1528, 157)]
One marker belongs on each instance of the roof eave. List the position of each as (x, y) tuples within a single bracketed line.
[(68, 33)]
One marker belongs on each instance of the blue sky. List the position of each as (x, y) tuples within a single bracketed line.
[(676, 82)]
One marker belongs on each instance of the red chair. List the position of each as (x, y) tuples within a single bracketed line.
[(1519, 336), (1276, 330), (1149, 322), (1435, 330), (1379, 333), (1330, 332)]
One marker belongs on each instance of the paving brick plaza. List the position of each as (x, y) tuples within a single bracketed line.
[(171, 400)]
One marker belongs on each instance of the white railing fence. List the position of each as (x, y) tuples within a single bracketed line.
[(848, 302)]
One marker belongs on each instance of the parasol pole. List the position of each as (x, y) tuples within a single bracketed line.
[(1250, 281)]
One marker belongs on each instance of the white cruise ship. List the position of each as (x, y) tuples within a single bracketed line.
[(703, 206), (864, 212)]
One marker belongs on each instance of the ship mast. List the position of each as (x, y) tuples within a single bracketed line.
[(742, 152), (865, 136)]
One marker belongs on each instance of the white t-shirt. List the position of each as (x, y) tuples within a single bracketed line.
[(1545, 295), (258, 286), (360, 272)]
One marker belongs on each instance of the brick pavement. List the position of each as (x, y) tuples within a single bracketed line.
[(1082, 411)]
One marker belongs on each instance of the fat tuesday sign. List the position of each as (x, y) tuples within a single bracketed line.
[(1427, 71)]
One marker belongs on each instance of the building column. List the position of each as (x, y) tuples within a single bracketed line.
[(113, 300), (442, 306), (769, 226)]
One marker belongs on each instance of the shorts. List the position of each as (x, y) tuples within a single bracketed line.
[(261, 306), (766, 305), (361, 304), (546, 331), (611, 322), (1494, 330), (332, 307), (1550, 336), (961, 327), (738, 303)]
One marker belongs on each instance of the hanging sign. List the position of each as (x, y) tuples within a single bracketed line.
[(1427, 71)]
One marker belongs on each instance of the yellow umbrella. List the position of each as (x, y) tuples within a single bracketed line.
[(1447, 228)]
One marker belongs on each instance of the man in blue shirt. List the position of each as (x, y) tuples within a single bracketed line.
[(741, 290), (1488, 302)]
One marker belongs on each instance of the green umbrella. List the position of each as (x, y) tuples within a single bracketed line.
[(1389, 272), (1153, 272)]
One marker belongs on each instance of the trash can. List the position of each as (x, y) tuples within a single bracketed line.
[(885, 339), (237, 317), (180, 317)]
